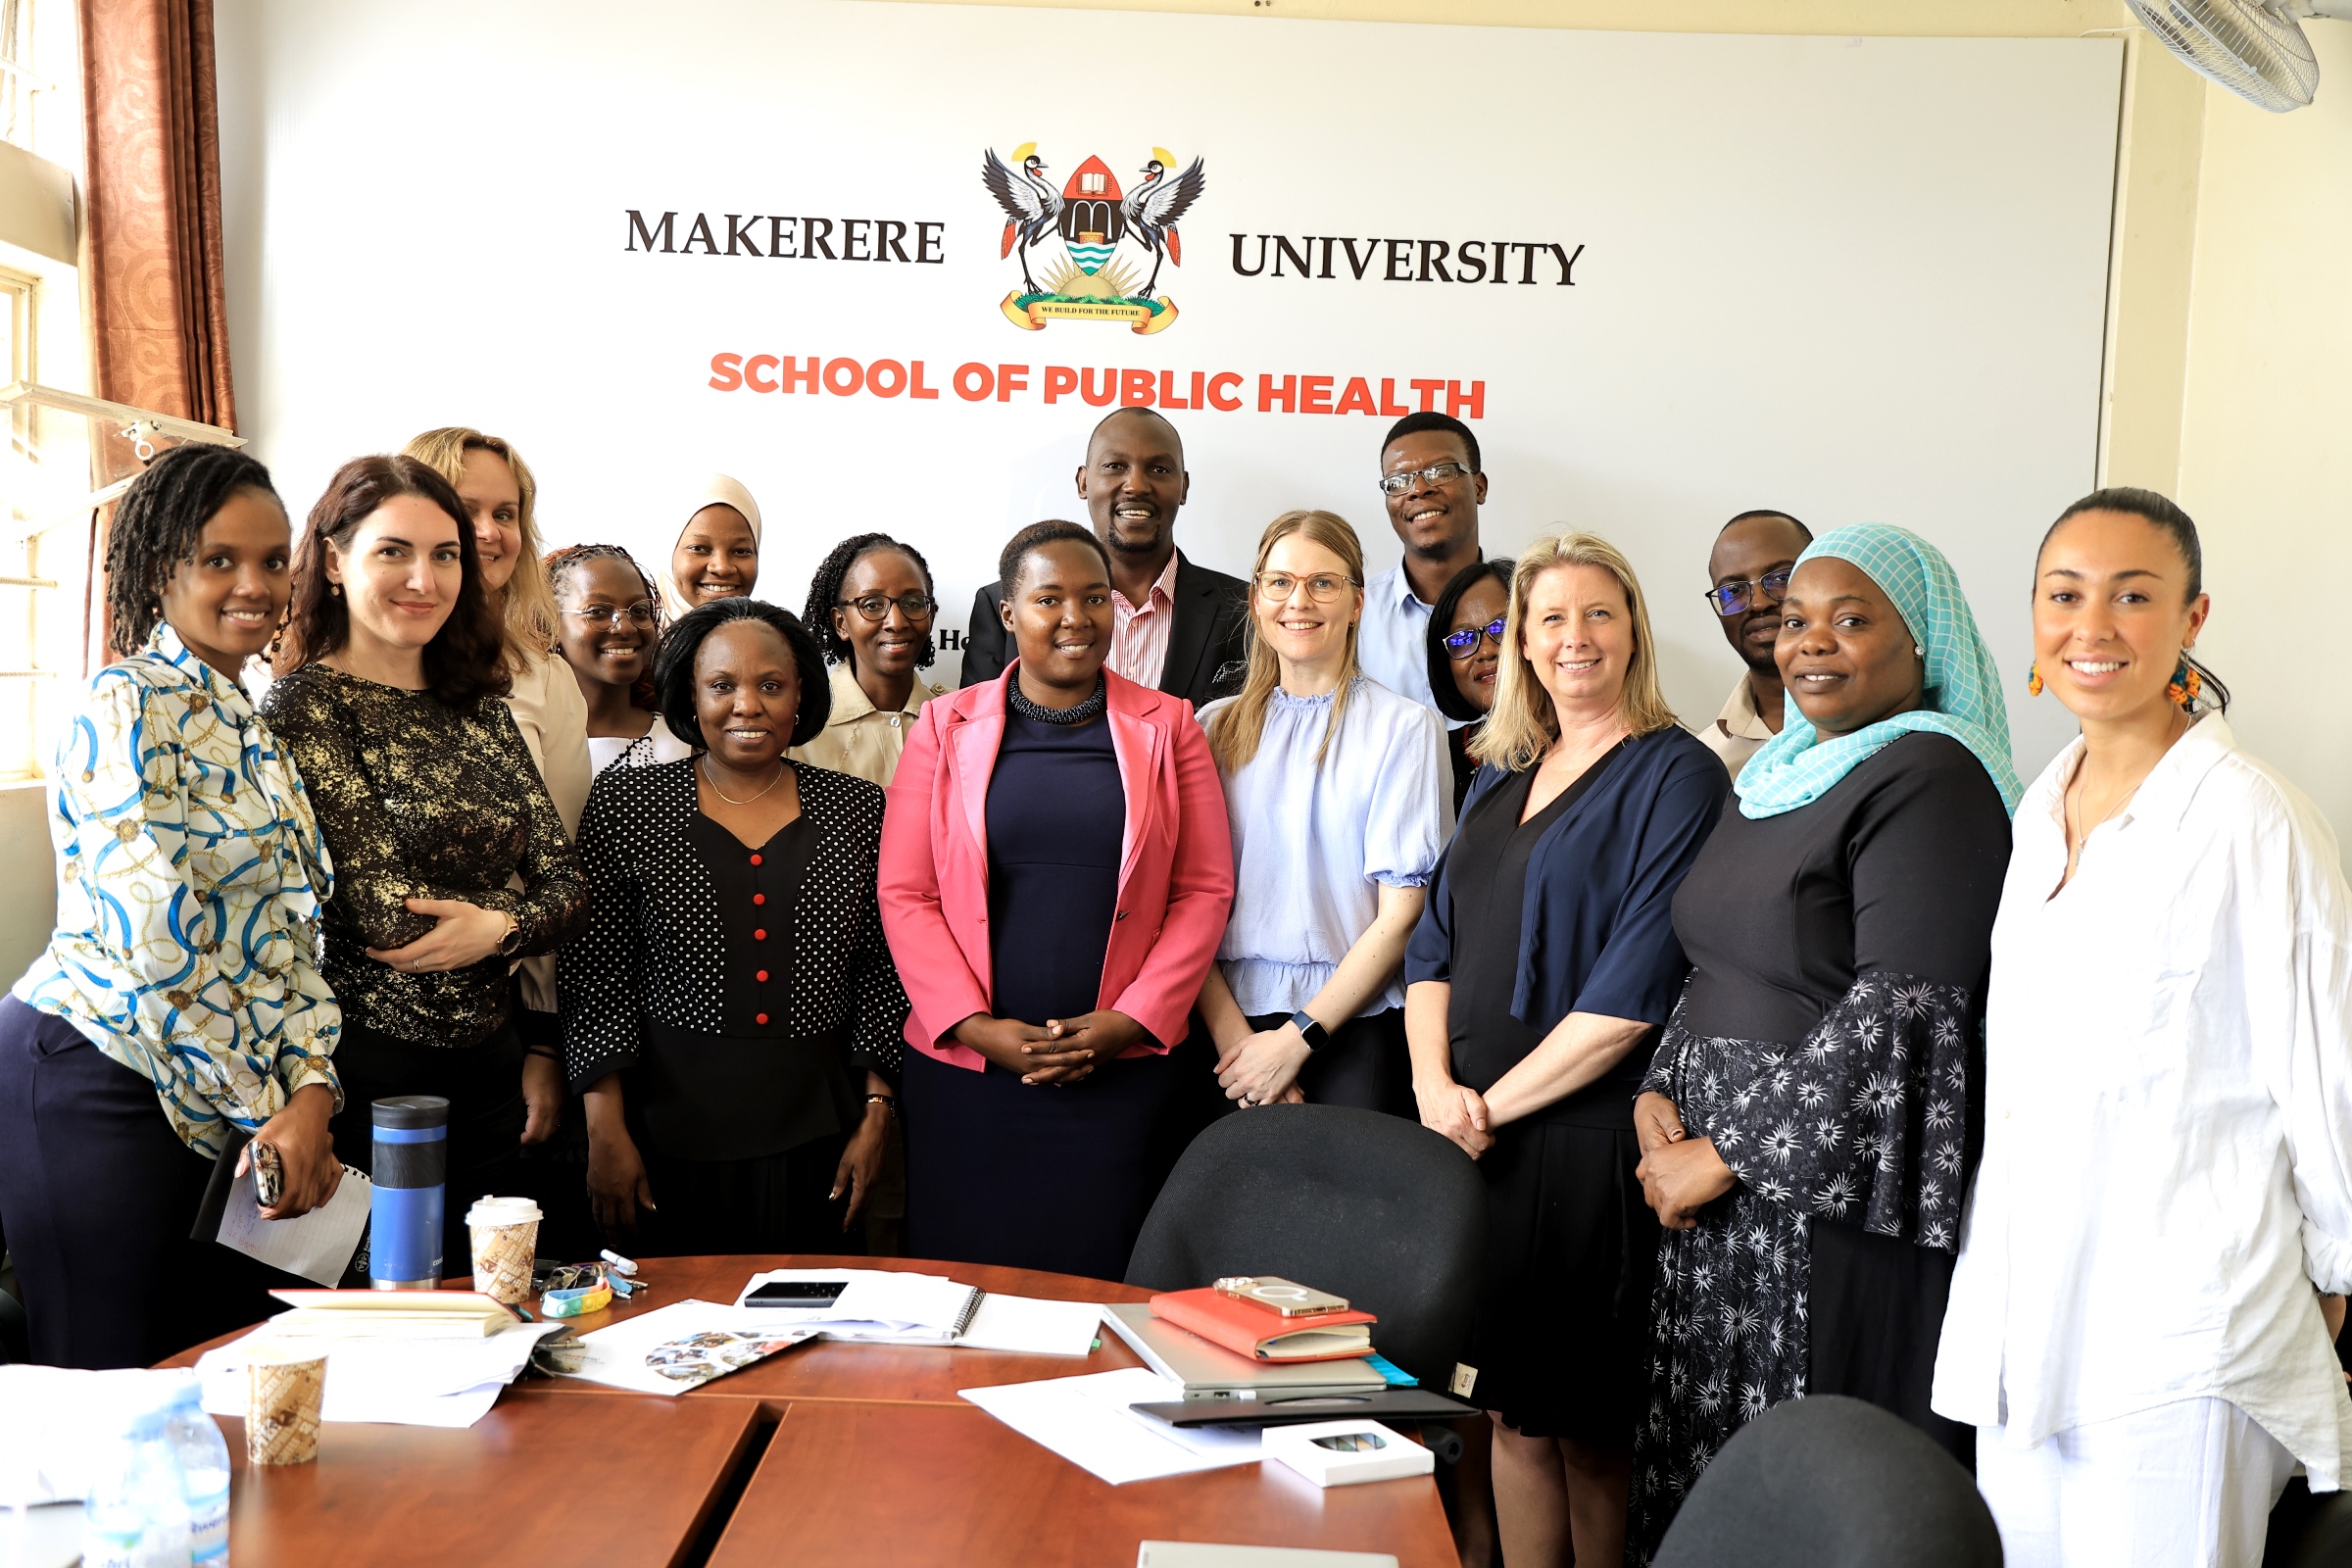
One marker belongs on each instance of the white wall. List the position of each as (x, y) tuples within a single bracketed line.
[(2265, 452), (1862, 279)]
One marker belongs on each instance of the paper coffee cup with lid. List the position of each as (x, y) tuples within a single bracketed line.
[(506, 1238)]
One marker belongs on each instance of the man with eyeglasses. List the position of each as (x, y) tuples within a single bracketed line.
[(1179, 626), (1432, 482), (1749, 567)]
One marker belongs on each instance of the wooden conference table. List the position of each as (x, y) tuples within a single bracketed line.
[(829, 1453)]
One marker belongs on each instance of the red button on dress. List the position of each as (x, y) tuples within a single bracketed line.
[(755, 860), (758, 936), (758, 1017), (758, 897), (760, 976)]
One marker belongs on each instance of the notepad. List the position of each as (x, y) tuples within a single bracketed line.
[(317, 1246), (895, 1306)]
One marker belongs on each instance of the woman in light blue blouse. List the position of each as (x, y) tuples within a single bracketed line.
[(1339, 799), (177, 1002)]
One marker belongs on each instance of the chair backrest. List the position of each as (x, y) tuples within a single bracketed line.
[(1369, 1206), (1831, 1482)]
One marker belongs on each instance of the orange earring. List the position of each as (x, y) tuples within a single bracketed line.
[(2034, 679), (2185, 683)]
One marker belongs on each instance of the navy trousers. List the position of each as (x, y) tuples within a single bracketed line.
[(97, 1195)]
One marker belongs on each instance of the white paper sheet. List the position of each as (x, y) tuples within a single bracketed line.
[(1033, 1325), (890, 1306), (317, 1246), (1087, 1421), (415, 1383), (617, 1356)]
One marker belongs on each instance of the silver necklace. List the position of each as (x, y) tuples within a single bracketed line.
[(731, 799)]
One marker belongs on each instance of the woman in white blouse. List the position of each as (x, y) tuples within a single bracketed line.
[(2151, 1267), (1340, 798), (610, 630)]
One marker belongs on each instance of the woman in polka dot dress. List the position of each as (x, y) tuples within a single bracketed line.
[(731, 1015)]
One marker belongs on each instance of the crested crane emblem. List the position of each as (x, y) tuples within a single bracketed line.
[(1098, 240)]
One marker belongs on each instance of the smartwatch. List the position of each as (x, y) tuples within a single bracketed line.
[(1315, 1035)]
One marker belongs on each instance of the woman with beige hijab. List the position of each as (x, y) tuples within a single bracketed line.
[(716, 553)]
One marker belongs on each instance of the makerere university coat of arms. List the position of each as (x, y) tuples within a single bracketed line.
[(1091, 280)]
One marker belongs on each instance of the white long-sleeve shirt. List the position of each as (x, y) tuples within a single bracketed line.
[(2168, 1156)]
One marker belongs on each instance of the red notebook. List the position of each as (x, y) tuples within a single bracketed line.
[(1249, 1330)]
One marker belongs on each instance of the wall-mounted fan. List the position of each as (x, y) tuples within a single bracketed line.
[(2255, 48)]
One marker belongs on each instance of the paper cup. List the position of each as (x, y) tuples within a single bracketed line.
[(506, 1238), (285, 1389)]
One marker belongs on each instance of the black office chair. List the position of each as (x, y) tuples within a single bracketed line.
[(1832, 1483), (1369, 1206)]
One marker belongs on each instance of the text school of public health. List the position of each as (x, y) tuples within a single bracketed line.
[(594, 1012)]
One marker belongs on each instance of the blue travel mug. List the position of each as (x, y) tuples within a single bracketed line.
[(412, 1171)]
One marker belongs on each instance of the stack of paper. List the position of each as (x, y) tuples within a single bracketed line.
[(887, 1306), (1087, 1420), (404, 1382)]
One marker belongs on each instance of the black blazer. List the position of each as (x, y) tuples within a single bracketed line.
[(1207, 650), (654, 948)]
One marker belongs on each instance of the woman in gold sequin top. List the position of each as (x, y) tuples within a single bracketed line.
[(432, 810)]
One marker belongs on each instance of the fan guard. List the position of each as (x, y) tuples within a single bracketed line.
[(2254, 49)]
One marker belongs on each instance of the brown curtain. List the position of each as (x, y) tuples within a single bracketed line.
[(160, 316), (161, 332)]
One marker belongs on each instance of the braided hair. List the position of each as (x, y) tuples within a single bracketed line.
[(158, 525), (561, 564), (824, 593)]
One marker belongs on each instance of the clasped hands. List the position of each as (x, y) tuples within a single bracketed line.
[(1679, 1174), (1063, 1051), (1457, 1110), (1263, 1069)]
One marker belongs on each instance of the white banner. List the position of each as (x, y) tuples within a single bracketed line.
[(1667, 277)]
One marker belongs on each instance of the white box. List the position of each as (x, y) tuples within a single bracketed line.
[(1341, 1454)]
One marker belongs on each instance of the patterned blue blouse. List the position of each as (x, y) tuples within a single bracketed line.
[(189, 878)]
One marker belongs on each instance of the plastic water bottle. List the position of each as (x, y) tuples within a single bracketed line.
[(203, 1455), (136, 1513)]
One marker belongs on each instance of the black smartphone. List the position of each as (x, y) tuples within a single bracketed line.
[(797, 1293)]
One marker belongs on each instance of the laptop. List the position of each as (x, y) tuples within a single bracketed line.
[(1211, 1372)]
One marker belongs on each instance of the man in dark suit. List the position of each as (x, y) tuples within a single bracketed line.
[(1180, 625)]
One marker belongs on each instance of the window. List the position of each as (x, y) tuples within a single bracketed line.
[(46, 456)]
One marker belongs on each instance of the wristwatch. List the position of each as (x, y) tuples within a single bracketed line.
[(1315, 1035), (511, 940)]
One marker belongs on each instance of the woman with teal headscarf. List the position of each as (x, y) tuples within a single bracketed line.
[(1809, 1122)]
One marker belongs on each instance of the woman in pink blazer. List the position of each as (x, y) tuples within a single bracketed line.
[(1055, 875)]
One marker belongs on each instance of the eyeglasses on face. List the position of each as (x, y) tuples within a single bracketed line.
[(1464, 643), (1322, 588), (876, 606), (1397, 484), (1738, 598), (640, 614)]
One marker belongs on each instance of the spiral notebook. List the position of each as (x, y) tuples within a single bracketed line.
[(321, 1245), (890, 1306)]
